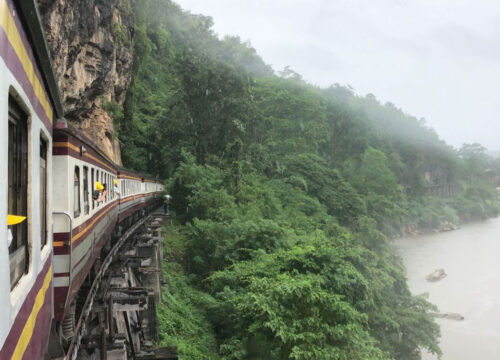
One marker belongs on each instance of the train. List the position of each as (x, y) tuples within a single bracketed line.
[(58, 223)]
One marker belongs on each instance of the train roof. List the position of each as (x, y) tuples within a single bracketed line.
[(63, 127), (67, 129), (32, 22), (136, 175)]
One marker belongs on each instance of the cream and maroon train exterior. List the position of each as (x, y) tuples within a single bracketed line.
[(26, 78), (137, 192), (91, 222)]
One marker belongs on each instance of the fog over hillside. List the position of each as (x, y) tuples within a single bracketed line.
[(437, 60)]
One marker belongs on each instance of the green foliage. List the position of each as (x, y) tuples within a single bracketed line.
[(327, 185), (120, 34), (181, 320), (285, 195), (115, 111)]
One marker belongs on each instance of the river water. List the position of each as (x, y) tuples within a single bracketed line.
[(471, 258)]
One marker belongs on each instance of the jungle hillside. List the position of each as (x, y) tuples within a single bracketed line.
[(285, 197)]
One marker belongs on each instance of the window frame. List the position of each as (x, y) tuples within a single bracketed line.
[(43, 197), (20, 248), (86, 203), (92, 186), (96, 179), (76, 192)]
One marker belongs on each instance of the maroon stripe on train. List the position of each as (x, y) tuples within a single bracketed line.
[(131, 173), (89, 233), (40, 338), (77, 281), (66, 274), (61, 250), (66, 151), (15, 66), (125, 214), (82, 227), (26, 43), (84, 257), (60, 151), (58, 250), (77, 154), (60, 293), (24, 312), (63, 236), (107, 230)]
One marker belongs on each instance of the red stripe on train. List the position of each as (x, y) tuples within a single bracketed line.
[(24, 312)]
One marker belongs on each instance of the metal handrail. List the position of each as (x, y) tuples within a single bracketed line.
[(70, 251)]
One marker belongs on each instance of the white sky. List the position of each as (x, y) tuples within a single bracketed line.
[(438, 59)]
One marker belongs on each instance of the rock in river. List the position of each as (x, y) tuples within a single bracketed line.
[(436, 275), (450, 316)]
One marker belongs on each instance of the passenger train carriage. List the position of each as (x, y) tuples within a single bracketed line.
[(51, 171)]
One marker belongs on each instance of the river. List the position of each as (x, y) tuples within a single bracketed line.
[(471, 258)]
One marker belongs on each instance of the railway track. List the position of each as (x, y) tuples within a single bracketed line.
[(117, 318)]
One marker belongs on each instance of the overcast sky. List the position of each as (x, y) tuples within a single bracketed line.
[(437, 59)]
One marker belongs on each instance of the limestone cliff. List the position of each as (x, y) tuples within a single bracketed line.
[(91, 45)]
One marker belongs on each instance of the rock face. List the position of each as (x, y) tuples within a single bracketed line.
[(91, 46)]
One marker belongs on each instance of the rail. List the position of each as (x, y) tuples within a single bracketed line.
[(74, 346)]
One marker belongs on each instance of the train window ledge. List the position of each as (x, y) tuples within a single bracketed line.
[(20, 290), (46, 251)]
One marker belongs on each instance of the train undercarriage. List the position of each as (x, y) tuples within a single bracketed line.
[(114, 314)]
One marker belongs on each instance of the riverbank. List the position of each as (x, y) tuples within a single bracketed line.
[(471, 287), (430, 214)]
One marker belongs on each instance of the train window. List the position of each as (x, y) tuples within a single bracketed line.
[(18, 191), (76, 193), (43, 192), (105, 183), (97, 179), (92, 185), (86, 206)]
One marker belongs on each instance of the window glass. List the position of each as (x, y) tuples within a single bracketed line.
[(76, 193), (86, 206), (43, 192), (17, 202), (92, 186), (104, 183), (96, 179)]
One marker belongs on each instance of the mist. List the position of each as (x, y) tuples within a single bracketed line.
[(435, 60)]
